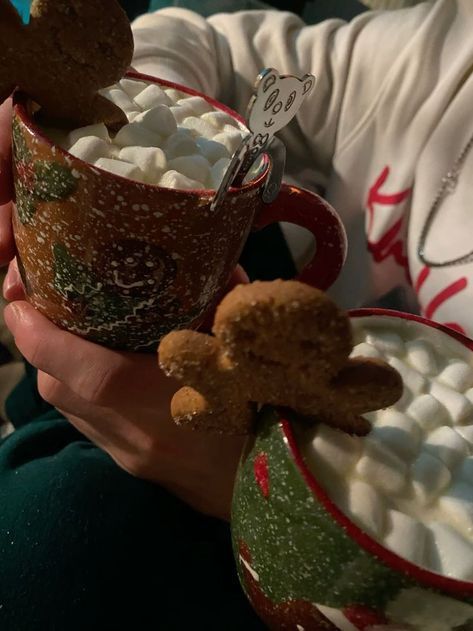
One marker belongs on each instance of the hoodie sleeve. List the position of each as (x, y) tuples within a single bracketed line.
[(222, 56)]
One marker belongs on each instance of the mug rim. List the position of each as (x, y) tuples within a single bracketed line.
[(19, 107), (423, 576)]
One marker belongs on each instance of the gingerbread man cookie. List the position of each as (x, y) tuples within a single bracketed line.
[(68, 51), (281, 343)]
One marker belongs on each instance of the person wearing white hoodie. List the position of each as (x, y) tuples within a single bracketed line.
[(388, 121)]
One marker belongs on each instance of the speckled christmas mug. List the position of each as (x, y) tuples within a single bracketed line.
[(367, 533), (121, 262)]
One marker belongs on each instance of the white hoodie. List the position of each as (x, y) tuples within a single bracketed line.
[(390, 114)]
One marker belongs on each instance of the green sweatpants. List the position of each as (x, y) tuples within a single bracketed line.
[(85, 546)]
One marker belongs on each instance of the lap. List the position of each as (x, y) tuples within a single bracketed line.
[(84, 545)]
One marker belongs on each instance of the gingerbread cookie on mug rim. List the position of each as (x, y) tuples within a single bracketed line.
[(281, 343), (69, 50)]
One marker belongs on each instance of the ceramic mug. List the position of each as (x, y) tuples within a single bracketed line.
[(122, 263), (304, 563)]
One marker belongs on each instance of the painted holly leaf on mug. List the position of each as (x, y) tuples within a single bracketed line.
[(83, 290), (37, 180)]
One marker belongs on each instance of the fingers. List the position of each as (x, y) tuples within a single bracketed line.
[(13, 288), (7, 246), (239, 277), (7, 242), (96, 374), (5, 152)]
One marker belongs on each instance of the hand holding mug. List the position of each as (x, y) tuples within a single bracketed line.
[(121, 262)]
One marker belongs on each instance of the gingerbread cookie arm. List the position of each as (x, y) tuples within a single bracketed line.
[(367, 384), (191, 358), (211, 400)]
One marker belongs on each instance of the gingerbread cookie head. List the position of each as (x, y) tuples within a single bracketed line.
[(69, 51), (281, 343), (274, 322)]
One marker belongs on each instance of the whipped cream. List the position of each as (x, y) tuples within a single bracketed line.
[(409, 483), (172, 139)]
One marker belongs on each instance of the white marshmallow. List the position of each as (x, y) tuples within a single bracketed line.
[(181, 112), (198, 105), (199, 126), (398, 432), (466, 431), (447, 445), (159, 120), (405, 400), (231, 140), (132, 87), (99, 131), (456, 404), (406, 536), (367, 507), (458, 375), (413, 380), (194, 167), (469, 395), (334, 449), (180, 144), (132, 115), (120, 98), (218, 171), (457, 504), (427, 411), (453, 553), (366, 350), (386, 341), (151, 96), (465, 470), (382, 468), (175, 95), (151, 160), (429, 477), (118, 167), (173, 179), (91, 148), (231, 128), (211, 150), (219, 120), (421, 356), (136, 135)]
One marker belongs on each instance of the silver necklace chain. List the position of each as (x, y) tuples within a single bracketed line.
[(448, 185)]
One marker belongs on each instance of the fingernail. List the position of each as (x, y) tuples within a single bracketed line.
[(12, 279)]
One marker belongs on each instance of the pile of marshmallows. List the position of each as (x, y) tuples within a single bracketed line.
[(172, 139), (409, 483)]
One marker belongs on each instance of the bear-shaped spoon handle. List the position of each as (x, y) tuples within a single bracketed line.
[(276, 101)]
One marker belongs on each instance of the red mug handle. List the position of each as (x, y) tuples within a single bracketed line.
[(308, 210)]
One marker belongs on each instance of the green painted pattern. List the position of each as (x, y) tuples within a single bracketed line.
[(37, 181), (297, 549)]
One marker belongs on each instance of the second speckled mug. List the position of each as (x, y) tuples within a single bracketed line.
[(122, 263)]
